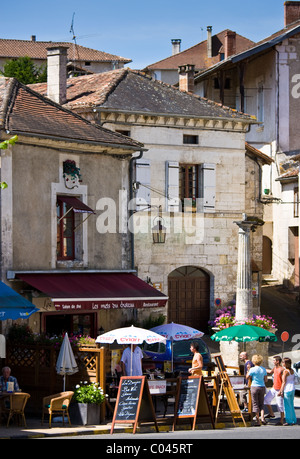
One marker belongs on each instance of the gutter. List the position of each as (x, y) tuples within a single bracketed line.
[(131, 211)]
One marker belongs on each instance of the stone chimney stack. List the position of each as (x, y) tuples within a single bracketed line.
[(209, 41), (291, 12), (175, 46), (57, 74), (230, 43), (186, 77)]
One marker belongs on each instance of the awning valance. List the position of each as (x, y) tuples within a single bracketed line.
[(76, 204), (95, 291)]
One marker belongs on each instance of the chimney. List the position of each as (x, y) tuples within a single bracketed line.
[(175, 46), (186, 77), (33, 38), (57, 74), (230, 43), (209, 41), (291, 12)]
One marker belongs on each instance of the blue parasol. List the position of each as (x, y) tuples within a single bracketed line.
[(14, 306)]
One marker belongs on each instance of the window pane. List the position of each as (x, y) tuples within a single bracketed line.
[(65, 231)]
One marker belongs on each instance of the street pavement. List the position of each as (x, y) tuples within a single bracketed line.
[(276, 302)]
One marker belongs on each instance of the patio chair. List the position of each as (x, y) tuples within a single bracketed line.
[(17, 403), (57, 403)]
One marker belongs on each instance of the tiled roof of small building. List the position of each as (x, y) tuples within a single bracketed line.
[(10, 48), (132, 91), (197, 54), (24, 111)]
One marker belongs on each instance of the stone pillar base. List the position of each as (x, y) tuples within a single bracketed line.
[(230, 351)]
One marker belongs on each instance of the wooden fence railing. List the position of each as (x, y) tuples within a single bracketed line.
[(34, 368)]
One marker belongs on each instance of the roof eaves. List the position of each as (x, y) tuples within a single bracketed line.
[(249, 53), (120, 147), (242, 119), (265, 158)]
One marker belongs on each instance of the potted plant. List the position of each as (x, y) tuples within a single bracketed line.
[(86, 401)]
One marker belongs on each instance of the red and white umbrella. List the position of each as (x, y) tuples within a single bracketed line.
[(130, 335)]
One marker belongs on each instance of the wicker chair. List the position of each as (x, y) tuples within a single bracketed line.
[(57, 403), (17, 403)]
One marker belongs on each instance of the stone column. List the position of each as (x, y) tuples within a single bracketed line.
[(244, 303)]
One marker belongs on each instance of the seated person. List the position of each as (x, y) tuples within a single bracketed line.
[(6, 377)]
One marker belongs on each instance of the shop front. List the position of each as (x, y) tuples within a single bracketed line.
[(87, 303)]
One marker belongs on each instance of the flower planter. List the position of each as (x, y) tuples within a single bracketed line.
[(85, 413)]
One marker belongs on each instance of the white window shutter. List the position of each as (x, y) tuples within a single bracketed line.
[(207, 187), (143, 176), (172, 186)]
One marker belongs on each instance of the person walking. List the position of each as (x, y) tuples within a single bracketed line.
[(276, 371), (258, 377), (247, 365), (197, 362), (287, 391)]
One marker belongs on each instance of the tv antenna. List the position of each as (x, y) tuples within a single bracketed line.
[(72, 31)]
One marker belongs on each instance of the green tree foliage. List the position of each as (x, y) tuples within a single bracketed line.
[(25, 71)]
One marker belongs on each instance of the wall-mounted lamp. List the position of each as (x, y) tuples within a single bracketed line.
[(158, 230)]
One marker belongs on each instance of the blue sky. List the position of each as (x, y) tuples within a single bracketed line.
[(138, 29)]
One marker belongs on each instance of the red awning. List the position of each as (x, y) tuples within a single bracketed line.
[(95, 291), (76, 204)]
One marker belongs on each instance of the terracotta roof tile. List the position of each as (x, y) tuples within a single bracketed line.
[(10, 48), (25, 111), (133, 91), (197, 54)]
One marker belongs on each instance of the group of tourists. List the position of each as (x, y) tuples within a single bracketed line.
[(283, 389)]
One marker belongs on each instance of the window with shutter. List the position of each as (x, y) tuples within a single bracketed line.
[(207, 188), (172, 186), (143, 179), (190, 186)]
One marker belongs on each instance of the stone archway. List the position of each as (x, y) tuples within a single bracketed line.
[(267, 256), (189, 293)]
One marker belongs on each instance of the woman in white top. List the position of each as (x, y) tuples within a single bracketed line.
[(287, 391)]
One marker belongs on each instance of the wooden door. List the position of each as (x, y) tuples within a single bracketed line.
[(188, 304)]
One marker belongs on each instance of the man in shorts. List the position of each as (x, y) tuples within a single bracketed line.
[(274, 391)]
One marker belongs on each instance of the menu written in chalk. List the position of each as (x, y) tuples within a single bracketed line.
[(188, 397), (134, 404), (128, 399)]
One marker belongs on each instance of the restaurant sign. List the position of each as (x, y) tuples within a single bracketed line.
[(77, 305)]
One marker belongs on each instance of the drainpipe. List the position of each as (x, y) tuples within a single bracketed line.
[(131, 211)]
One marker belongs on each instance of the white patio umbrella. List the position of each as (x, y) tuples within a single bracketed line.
[(130, 335), (177, 332), (66, 363)]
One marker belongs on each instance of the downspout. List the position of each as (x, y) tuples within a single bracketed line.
[(131, 211)]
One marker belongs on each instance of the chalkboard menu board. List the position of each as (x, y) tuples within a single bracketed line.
[(188, 397), (192, 401), (128, 401), (134, 402)]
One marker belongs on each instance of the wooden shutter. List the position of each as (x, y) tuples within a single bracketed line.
[(172, 186), (207, 188), (143, 176)]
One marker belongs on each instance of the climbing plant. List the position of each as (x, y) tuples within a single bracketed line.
[(3, 146)]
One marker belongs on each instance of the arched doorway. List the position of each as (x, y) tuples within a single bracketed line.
[(188, 304), (267, 256)]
